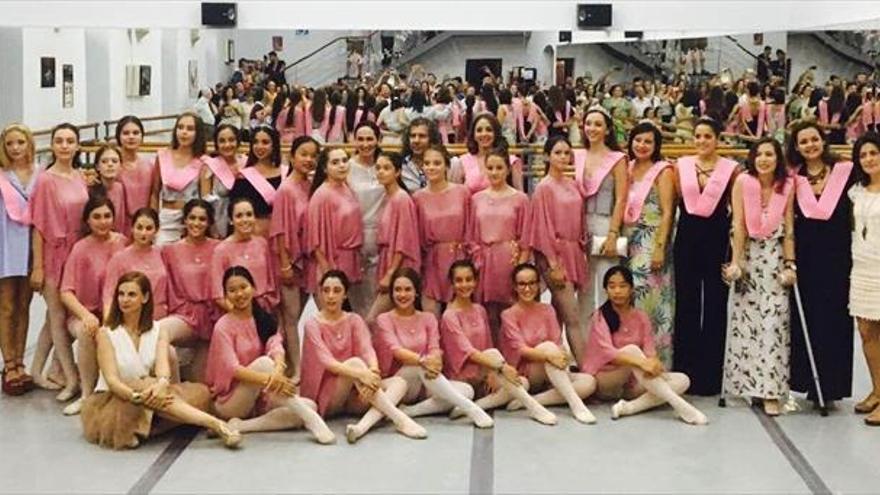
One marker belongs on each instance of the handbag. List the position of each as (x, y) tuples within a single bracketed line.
[(598, 241)]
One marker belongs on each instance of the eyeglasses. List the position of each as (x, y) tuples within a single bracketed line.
[(526, 285)]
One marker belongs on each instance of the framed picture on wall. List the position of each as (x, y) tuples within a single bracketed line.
[(67, 86), (277, 43), (132, 80), (230, 51), (144, 85), (47, 72)]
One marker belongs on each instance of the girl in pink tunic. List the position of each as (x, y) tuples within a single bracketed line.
[(137, 172), (485, 136), (408, 345), (294, 121), (244, 248), (443, 212), (81, 286), (470, 353), (338, 357), (288, 235), (246, 366), (556, 236), (141, 256), (398, 231), (531, 342), (336, 232), (620, 355), (56, 212), (498, 233), (107, 160)]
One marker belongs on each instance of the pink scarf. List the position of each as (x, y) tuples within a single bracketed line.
[(16, 205), (638, 191), (221, 169), (823, 114), (823, 208), (698, 203), (590, 185), (758, 226), (261, 184), (177, 178)]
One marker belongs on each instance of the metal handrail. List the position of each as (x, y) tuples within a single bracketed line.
[(324, 46), (111, 137)]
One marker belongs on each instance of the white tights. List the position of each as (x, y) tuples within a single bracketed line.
[(444, 395)]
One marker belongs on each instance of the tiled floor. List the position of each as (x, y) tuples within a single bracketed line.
[(42, 451)]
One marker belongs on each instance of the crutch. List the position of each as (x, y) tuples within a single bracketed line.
[(797, 298), (722, 400)]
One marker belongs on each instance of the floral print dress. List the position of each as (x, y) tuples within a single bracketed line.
[(654, 291), (756, 361)]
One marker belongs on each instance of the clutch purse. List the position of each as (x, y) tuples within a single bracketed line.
[(599, 240)]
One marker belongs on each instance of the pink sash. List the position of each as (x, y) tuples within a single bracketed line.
[(17, 212), (758, 226), (867, 114), (702, 108), (697, 203), (177, 178), (567, 112), (745, 112), (220, 168), (823, 208), (519, 118), (590, 185), (823, 114), (261, 184), (638, 191)]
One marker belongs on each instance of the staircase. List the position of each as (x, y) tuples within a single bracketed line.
[(329, 62), (843, 50), (631, 56)]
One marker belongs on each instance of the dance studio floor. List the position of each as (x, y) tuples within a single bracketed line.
[(741, 451)]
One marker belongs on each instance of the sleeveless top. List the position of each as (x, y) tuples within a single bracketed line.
[(132, 362)]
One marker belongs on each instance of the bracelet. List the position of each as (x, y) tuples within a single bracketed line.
[(136, 398)]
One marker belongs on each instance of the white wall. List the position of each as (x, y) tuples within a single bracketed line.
[(448, 59), (42, 106), (11, 101), (596, 61), (805, 50), (178, 47)]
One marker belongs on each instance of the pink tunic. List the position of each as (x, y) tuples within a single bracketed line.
[(527, 327), (56, 211), (86, 268), (235, 344), (122, 220), (557, 228), (498, 232), (252, 254), (417, 333), (149, 262), (602, 347), (137, 182), (336, 227), (335, 134), (327, 343), (289, 214), (301, 125), (398, 233), (189, 284), (462, 333), (443, 219)]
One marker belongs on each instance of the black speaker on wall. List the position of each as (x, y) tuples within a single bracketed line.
[(565, 36), (593, 15), (219, 14)]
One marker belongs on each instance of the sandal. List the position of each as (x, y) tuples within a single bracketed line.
[(867, 405), (11, 386), (771, 407), (27, 380)]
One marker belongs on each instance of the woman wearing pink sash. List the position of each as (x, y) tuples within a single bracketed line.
[(757, 355), (245, 248), (650, 214), (56, 210), (600, 172), (556, 236), (823, 230), (220, 173), (178, 179), (398, 232), (81, 287), (335, 225), (443, 212), (261, 177), (288, 237), (137, 171), (18, 176), (485, 135), (190, 298), (498, 234), (701, 247)]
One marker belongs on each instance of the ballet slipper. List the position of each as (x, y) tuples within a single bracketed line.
[(73, 408), (696, 419), (231, 436), (46, 384), (409, 429), (67, 393), (584, 416), (618, 409), (353, 433), (481, 418)]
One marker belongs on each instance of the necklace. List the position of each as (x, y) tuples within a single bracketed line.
[(815, 179)]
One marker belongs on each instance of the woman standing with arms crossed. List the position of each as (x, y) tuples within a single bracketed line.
[(865, 284), (701, 247), (823, 255)]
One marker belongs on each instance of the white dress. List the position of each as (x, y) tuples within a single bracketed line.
[(864, 288)]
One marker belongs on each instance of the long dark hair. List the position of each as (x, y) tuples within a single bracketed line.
[(294, 97), (612, 318), (780, 173), (795, 159), (343, 278), (397, 161), (469, 102), (413, 276), (867, 138), (610, 138), (198, 146), (266, 324), (70, 127), (225, 127), (319, 104), (835, 101), (418, 100), (553, 141), (128, 119), (497, 138), (321, 169), (114, 316), (644, 128), (275, 157), (334, 101)]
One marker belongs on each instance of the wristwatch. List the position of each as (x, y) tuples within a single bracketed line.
[(136, 398)]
